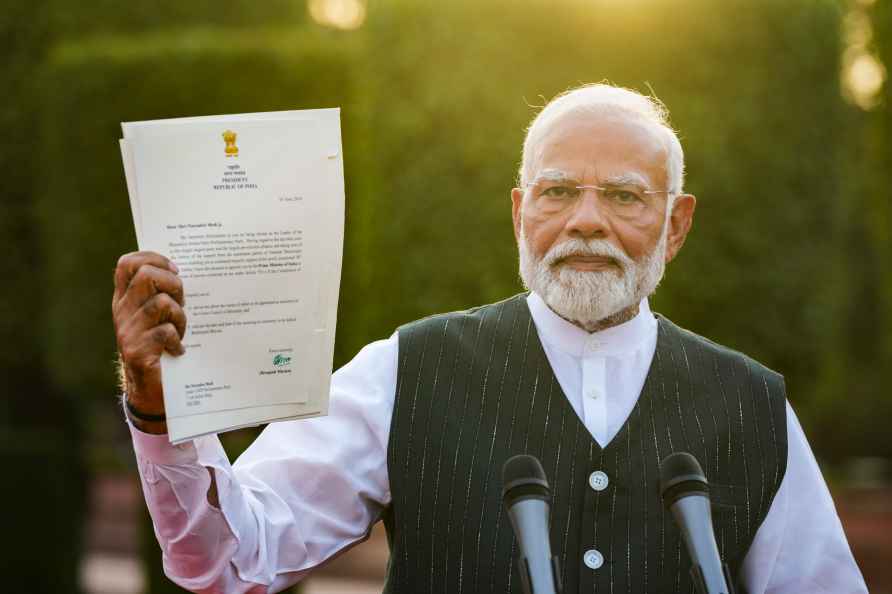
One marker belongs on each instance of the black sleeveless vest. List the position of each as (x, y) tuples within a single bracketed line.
[(475, 388)]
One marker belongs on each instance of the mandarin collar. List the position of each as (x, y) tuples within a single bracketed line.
[(573, 340)]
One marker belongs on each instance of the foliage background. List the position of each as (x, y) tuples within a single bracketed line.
[(789, 259)]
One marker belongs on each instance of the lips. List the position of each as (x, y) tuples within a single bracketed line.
[(587, 262)]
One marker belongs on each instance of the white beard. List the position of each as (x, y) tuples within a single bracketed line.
[(588, 297)]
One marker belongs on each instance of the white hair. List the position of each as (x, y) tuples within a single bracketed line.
[(607, 99)]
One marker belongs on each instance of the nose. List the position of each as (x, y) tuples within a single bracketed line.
[(588, 218)]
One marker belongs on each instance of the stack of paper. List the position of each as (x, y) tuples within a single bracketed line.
[(251, 209)]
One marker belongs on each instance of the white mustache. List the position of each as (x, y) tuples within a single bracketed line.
[(592, 247)]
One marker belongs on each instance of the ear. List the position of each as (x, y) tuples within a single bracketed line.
[(516, 203), (680, 221)]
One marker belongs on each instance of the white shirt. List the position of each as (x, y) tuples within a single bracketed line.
[(306, 490)]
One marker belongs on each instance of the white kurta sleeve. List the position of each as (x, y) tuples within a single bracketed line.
[(801, 548), (303, 492)]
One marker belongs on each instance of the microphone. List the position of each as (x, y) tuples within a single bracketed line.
[(685, 493), (526, 495)]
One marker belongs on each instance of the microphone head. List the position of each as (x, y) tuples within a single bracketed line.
[(523, 478), (681, 475)]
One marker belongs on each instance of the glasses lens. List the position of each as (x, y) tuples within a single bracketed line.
[(625, 201), (554, 197)]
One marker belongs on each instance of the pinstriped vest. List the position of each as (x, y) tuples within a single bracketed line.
[(475, 388)]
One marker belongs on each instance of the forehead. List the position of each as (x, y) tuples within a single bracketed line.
[(596, 146)]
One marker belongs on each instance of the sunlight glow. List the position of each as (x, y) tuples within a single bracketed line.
[(340, 14), (863, 74), (864, 78)]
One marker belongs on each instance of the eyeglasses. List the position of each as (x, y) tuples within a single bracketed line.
[(627, 201)]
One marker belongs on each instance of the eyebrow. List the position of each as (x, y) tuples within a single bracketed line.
[(554, 175), (625, 179), (560, 176)]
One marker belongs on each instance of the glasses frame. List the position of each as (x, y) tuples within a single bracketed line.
[(584, 187), (600, 191)]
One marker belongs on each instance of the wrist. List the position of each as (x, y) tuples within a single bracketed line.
[(155, 424), (155, 417)]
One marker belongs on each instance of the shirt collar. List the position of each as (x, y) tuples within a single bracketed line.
[(573, 340)]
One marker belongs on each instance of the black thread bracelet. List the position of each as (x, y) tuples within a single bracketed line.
[(144, 416)]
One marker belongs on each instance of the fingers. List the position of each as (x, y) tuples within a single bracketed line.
[(144, 352), (177, 317), (162, 308), (145, 349), (129, 264), (166, 337), (149, 320), (147, 281), (158, 325), (156, 340)]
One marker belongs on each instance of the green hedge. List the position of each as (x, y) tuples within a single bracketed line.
[(83, 204), (861, 397), (103, 17), (40, 429), (435, 101), (752, 87), (789, 256)]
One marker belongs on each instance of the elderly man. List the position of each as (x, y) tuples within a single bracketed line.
[(578, 372)]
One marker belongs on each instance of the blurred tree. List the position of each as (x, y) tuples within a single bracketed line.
[(165, 74), (851, 410), (40, 437), (787, 261), (107, 17), (876, 320), (882, 194), (759, 108)]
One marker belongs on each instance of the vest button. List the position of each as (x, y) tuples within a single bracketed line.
[(593, 559), (598, 480)]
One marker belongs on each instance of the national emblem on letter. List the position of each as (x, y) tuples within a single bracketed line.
[(229, 138)]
